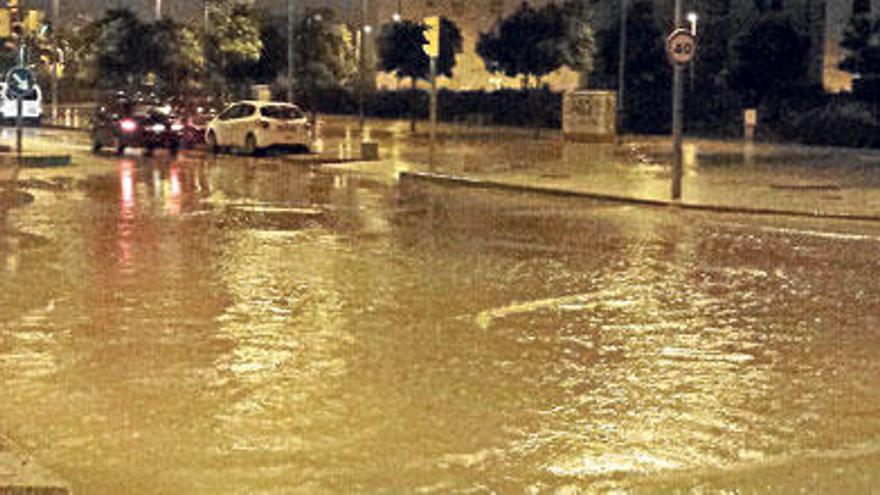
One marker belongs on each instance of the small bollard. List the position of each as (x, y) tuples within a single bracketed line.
[(369, 150)]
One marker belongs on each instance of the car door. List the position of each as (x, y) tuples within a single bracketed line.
[(243, 123), (223, 129)]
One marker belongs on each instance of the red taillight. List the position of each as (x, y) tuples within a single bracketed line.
[(128, 125)]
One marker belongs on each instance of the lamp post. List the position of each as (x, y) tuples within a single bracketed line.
[(692, 18), (291, 20), (362, 76), (56, 56), (621, 71)]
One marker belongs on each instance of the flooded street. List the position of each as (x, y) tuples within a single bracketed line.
[(231, 325)]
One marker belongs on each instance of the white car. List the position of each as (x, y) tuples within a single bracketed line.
[(254, 126)]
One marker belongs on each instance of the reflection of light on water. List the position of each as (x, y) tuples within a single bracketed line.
[(157, 183), (11, 265), (610, 464), (174, 191), (126, 183), (126, 213), (11, 262)]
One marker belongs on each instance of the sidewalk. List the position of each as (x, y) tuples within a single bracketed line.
[(719, 175)]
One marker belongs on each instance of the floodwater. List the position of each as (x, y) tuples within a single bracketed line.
[(237, 326)]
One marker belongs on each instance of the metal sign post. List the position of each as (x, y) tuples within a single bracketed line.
[(680, 47), (19, 81)]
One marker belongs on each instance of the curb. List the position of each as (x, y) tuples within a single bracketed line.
[(451, 180), (29, 160)]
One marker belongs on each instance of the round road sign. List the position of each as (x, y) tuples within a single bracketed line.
[(19, 81), (681, 46)]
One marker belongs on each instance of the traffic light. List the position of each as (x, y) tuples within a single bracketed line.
[(5, 23), (432, 35), (33, 21)]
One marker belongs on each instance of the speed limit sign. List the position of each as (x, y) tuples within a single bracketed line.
[(681, 46)]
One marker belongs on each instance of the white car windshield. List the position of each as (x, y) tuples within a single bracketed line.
[(281, 112)]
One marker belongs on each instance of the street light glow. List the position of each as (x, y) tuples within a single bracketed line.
[(692, 17), (396, 17)]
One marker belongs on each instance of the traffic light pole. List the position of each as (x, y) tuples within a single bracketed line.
[(19, 118), (433, 110)]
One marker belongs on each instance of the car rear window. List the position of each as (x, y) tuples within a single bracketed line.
[(281, 112)]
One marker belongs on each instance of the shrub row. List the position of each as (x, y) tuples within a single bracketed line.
[(531, 108)]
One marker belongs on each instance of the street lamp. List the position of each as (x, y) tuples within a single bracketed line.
[(692, 18)]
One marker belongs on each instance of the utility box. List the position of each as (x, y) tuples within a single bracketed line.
[(589, 116), (261, 92)]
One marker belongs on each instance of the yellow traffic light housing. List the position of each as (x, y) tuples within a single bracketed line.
[(432, 34), (5, 23), (33, 21)]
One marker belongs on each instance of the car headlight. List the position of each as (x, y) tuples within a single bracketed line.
[(177, 127), (158, 128)]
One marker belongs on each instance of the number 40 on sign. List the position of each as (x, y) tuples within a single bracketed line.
[(681, 46)]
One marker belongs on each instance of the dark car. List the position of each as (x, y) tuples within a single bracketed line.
[(191, 124), (122, 125)]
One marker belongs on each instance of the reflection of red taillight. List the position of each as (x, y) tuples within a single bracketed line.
[(128, 125)]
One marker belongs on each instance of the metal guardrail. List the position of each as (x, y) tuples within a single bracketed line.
[(76, 116)]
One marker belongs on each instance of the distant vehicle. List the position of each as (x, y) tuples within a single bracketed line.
[(123, 124), (255, 126), (193, 123), (31, 109)]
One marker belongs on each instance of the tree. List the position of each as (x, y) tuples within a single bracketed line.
[(535, 42), (401, 49), (580, 47), (400, 46), (769, 58), (273, 53), (648, 73), (119, 51), (324, 54), (178, 57), (234, 44), (114, 51)]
